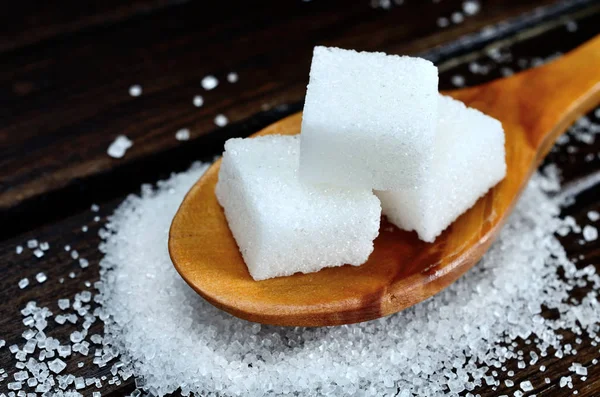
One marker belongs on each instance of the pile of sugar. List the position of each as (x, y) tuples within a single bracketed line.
[(455, 341)]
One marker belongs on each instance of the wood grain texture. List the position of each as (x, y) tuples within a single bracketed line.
[(402, 270), (58, 214), (21, 27), (64, 101)]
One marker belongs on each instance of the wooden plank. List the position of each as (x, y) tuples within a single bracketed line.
[(63, 102), (29, 22), (67, 230)]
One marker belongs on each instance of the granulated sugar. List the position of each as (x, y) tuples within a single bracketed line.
[(119, 146), (443, 346)]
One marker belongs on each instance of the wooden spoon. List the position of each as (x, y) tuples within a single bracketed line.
[(535, 107)]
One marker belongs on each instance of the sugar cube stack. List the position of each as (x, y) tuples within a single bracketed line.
[(468, 160), (376, 137), (283, 226), (369, 119)]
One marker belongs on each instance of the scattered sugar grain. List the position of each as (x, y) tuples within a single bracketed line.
[(79, 383), (67, 248), (571, 26), (44, 246), (83, 263), (29, 347), (221, 120), (14, 385), (41, 277), (209, 82), (21, 376), (590, 233), (84, 228), (457, 17), (38, 253), (119, 146), (443, 22), (57, 365), (19, 249), (183, 134), (526, 386), (23, 283), (33, 243), (458, 80), (135, 90), (95, 208), (63, 304), (232, 77), (471, 7), (198, 101)]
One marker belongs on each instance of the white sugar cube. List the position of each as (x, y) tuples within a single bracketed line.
[(468, 160), (283, 226), (369, 119)]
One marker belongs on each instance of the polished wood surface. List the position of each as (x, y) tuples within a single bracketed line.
[(63, 89), (402, 270)]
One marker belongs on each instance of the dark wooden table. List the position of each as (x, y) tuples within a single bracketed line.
[(64, 81)]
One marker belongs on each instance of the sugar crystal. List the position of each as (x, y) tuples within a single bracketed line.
[(198, 101), (232, 77), (221, 120), (41, 277), (182, 134), (135, 90), (590, 233), (526, 386), (119, 146), (63, 304), (593, 216), (57, 365), (471, 7), (209, 82), (79, 383), (23, 283)]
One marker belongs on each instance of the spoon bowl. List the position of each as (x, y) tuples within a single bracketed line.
[(402, 270)]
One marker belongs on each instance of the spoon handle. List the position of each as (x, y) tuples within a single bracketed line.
[(558, 93), (539, 104)]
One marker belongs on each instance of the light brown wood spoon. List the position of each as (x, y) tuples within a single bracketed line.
[(535, 107)]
